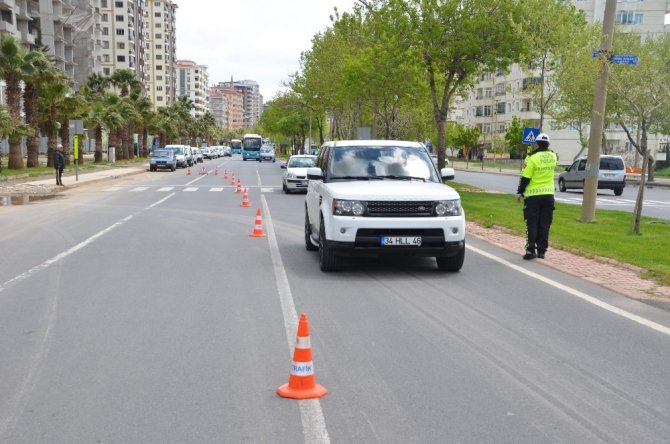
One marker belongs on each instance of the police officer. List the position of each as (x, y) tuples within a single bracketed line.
[(536, 186)]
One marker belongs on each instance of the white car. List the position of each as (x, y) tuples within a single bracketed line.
[(294, 176), (611, 175), (382, 197)]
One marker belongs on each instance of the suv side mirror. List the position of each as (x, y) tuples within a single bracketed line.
[(314, 173), (447, 173)]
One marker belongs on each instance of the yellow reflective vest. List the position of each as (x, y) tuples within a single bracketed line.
[(539, 168)]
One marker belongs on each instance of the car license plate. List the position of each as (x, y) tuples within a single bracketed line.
[(401, 241)]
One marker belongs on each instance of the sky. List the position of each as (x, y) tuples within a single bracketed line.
[(257, 40)]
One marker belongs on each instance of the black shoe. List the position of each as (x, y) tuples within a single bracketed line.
[(529, 255), (540, 255)]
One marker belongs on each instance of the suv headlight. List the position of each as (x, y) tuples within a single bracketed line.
[(348, 207), (448, 207), (290, 175)]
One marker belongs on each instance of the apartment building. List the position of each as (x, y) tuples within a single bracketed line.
[(123, 36), (252, 100), (193, 82), (499, 96), (227, 105), (161, 79), (27, 20)]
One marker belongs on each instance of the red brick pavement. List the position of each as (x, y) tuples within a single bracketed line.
[(621, 278)]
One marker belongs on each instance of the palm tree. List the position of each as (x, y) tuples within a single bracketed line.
[(15, 64), (43, 71), (52, 92)]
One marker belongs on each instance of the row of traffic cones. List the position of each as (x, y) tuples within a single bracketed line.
[(302, 380)]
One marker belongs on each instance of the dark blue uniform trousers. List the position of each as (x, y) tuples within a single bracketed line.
[(538, 212)]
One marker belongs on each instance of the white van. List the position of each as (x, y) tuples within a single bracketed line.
[(611, 175), (183, 154)]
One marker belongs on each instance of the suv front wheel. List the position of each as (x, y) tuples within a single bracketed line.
[(451, 263), (328, 261), (309, 245)]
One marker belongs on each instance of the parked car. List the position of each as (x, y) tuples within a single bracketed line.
[(227, 151), (382, 197), (197, 155), (162, 158), (294, 174), (611, 175), (267, 153), (181, 154)]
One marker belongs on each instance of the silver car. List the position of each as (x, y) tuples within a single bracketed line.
[(294, 174), (611, 175)]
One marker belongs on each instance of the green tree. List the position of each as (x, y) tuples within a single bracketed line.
[(641, 94), (514, 138), (455, 40), (42, 72), (16, 64), (52, 92)]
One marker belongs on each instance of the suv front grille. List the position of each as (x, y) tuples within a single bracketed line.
[(400, 208)]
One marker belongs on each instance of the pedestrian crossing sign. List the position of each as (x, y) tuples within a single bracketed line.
[(529, 135)]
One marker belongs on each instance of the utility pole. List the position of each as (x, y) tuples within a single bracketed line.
[(598, 116)]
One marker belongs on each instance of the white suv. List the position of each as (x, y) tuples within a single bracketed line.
[(382, 197)]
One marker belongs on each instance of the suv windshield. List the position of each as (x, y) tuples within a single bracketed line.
[(382, 162)]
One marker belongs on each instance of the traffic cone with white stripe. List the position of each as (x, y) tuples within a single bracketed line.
[(245, 198), (216, 171), (188, 172), (258, 228), (302, 382), (232, 180), (225, 174), (239, 185)]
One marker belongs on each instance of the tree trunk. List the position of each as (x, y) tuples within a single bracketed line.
[(13, 91), (30, 109), (637, 210), (98, 144), (143, 141), (65, 140)]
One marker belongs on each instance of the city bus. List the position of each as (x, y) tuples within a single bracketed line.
[(236, 146), (251, 147)]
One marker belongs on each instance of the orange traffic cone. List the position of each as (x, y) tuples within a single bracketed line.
[(258, 228), (216, 171), (232, 181), (188, 172), (302, 382), (203, 171), (225, 174), (239, 184), (245, 198)]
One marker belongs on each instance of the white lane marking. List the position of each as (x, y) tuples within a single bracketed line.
[(165, 189), (19, 399), (190, 189), (111, 189), (267, 190), (313, 422), (138, 189), (581, 295), (216, 189)]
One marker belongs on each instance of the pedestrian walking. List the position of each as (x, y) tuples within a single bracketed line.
[(59, 164), (536, 186)]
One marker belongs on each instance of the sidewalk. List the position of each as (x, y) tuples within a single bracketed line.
[(47, 185), (476, 167)]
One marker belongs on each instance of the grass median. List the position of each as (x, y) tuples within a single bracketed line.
[(608, 237)]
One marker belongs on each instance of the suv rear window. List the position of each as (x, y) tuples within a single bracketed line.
[(611, 164)]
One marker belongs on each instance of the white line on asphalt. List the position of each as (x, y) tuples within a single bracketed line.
[(190, 189), (585, 297), (313, 423), (19, 399), (49, 262)]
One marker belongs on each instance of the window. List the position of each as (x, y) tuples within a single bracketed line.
[(159, 46), (105, 44), (487, 110), (159, 88), (159, 57), (118, 4), (105, 71), (103, 3), (480, 93), (158, 36), (121, 58), (120, 32), (105, 31), (104, 17), (158, 25), (159, 77), (157, 4), (157, 14), (159, 67), (159, 98), (119, 18), (500, 107), (628, 18), (487, 92), (500, 89), (121, 45), (105, 58)]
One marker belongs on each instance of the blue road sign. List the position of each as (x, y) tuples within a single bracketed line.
[(625, 59), (529, 135)]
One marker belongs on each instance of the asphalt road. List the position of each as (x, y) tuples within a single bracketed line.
[(140, 310), (656, 199)]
